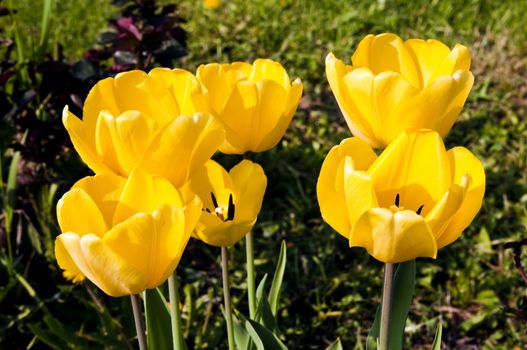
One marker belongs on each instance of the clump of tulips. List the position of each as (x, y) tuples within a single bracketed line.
[(149, 139)]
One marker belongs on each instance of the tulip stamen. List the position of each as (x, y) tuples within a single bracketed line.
[(219, 210), (230, 209), (397, 200), (418, 212)]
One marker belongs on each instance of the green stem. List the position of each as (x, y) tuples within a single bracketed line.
[(386, 308), (251, 290), (178, 341), (139, 323), (227, 296)]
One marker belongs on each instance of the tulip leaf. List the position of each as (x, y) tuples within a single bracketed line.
[(264, 315), (336, 345), (276, 285), (241, 336), (159, 333), (403, 291), (261, 336), (436, 345)]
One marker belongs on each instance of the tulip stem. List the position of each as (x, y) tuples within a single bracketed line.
[(139, 323), (227, 296), (386, 308), (251, 291), (178, 341)]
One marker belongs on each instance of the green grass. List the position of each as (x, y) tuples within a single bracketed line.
[(330, 290)]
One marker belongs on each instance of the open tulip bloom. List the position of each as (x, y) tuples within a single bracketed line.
[(124, 235), (410, 201), (393, 85), (231, 201), (157, 122), (254, 102)]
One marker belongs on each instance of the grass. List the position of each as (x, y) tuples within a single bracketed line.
[(329, 290)]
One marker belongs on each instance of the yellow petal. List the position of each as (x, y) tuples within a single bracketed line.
[(77, 212), (415, 166), (182, 147), (240, 109), (464, 162), (357, 123), (382, 100), (386, 52), (67, 261), (215, 81), (134, 133), (266, 69), (84, 141), (250, 182), (110, 147), (105, 191), (441, 214), (393, 237), (272, 100), (216, 232), (359, 193), (331, 186), (106, 269), (430, 55), (272, 138), (145, 193)]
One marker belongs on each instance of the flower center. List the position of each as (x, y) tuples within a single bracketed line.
[(395, 208), (220, 211)]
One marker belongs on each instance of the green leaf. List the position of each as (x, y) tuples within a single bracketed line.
[(403, 291), (264, 315), (276, 285), (261, 336), (158, 326), (241, 336), (336, 345), (47, 338), (436, 345)]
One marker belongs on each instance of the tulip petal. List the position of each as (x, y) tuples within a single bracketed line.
[(386, 52), (266, 69), (216, 232), (272, 98), (65, 259), (214, 79), (109, 271), (77, 212), (464, 162), (357, 123), (238, 114), (441, 214), (393, 237), (331, 186), (414, 166), (430, 55), (110, 147), (83, 141), (273, 137), (250, 182), (359, 193), (105, 191), (213, 178), (145, 193), (182, 147), (134, 133)]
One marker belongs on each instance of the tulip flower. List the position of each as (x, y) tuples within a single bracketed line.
[(394, 85), (156, 122), (124, 235), (211, 4), (254, 102), (231, 201), (412, 200)]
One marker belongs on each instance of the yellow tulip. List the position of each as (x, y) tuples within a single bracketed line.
[(211, 4), (412, 200), (151, 121), (231, 201), (394, 85), (254, 102), (124, 235)]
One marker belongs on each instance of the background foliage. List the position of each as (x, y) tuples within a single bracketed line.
[(329, 291)]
